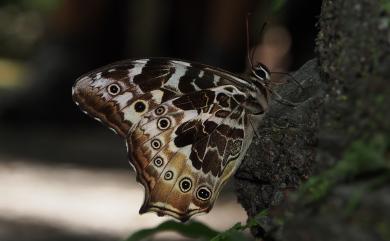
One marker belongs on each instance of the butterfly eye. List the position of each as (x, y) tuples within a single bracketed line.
[(160, 110), (163, 123), (158, 161), (113, 89), (156, 144), (168, 175), (139, 106), (203, 193), (185, 184), (261, 71)]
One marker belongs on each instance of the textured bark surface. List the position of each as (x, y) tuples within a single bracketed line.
[(338, 134), (281, 156)]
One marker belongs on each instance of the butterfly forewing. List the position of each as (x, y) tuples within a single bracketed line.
[(186, 125)]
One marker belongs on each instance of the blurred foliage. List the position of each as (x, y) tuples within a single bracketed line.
[(191, 230), (17, 40), (235, 232), (386, 5), (368, 156), (198, 230), (11, 74), (39, 5), (277, 5)]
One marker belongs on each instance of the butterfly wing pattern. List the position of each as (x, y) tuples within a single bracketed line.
[(187, 126)]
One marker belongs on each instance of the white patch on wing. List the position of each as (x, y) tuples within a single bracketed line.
[(216, 79), (151, 129), (113, 130), (98, 119), (105, 95), (100, 83), (195, 86), (142, 61), (173, 82), (157, 95), (133, 167), (122, 100), (131, 115), (127, 147), (137, 69), (232, 77), (192, 206), (179, 62)]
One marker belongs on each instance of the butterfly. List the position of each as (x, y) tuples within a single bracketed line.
[(186, 125)]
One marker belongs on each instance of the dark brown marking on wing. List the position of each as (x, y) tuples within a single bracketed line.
[(196, 100), (262, 89), (239, 98), (234, 144), (206, 81), (207, 137), (195, 160), (254, 106), (168, 94), (186, 133), (237, 113), (117, 74), (211, 162), (237, 134), (209, 126), (199, 148), (224, 143), (224, 129), (206, 109), (154, 74), (222, 113), (233, 103), (230, 89), (218, 140), (125, 66), (186, 81), (223, 100)]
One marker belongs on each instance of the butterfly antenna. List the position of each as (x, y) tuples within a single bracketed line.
[(250, 58), (291, 76), (251, 55), (254, 130), (247, 41), (281, 100)]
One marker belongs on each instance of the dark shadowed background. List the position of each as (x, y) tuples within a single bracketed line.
[(62, 175)]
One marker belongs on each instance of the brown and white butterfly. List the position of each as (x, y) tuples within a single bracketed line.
[(186, 125)]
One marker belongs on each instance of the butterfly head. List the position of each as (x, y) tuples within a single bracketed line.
[(100, 95), (260, 72)]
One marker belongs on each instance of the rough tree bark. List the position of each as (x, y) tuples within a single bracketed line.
[(338, 133)]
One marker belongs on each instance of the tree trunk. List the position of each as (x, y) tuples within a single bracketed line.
[(338, 134)]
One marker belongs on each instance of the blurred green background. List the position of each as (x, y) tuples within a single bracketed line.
[(62, 175)]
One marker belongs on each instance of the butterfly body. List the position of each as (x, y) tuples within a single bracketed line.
[(187, 126)]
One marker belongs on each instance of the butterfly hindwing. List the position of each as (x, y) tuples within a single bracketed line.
[(186, 127), (186, 148)]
